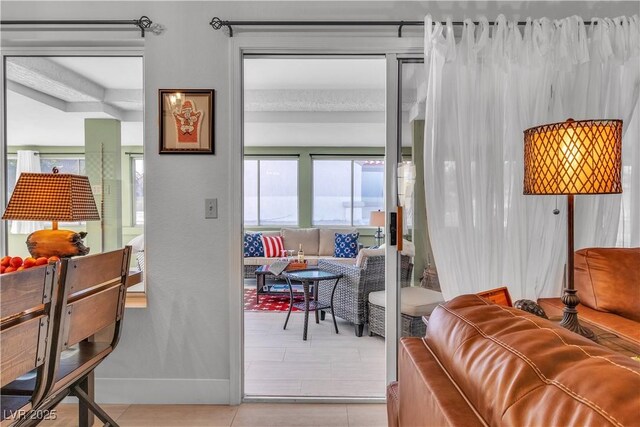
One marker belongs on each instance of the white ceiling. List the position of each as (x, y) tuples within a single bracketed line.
[(312, 101), (30, 122), (289, 101), (48, 98), (314, 73), (114, 72)]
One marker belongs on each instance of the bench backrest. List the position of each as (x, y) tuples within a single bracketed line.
[(95, 293), (28, 301)]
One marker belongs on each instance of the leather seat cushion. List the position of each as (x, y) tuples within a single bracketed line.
[(618, 325), (514, 366)]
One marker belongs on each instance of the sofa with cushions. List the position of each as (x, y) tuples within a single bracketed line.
[(608, 284), (483, 364), (317, 243)]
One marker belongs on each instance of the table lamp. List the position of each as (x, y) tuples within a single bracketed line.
[(377, 220), (53, 197), (573, 157)]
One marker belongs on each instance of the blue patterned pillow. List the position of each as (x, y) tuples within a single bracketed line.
[(346, 245), (253, 245)]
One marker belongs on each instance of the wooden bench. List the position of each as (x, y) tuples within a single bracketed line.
[(27, 304), (91, 298)]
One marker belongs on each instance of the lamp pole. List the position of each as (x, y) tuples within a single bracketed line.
[(570, 298)]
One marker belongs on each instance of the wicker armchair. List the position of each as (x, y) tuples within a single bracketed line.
[(352, 293)]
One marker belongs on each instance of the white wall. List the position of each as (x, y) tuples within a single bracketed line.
[(176, 350)]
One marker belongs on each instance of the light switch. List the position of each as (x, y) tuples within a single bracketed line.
[(210, 208)]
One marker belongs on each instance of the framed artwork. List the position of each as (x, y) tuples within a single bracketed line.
[(186, 121)]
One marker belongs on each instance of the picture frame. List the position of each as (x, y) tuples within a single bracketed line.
[(187, 121)]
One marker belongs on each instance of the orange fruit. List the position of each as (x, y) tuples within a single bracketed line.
[(42, 260), (5, 261), (15, 262), (19, 268), (29, 262), (2, 268), (54, 259), (9, 269)]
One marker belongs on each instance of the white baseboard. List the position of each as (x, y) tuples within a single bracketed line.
[(162, 391)]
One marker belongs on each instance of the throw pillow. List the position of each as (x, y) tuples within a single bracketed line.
[(253, 245), (346, 245), (273, 246)]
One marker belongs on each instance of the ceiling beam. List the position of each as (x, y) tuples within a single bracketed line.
[(43, 98), (46, 76)]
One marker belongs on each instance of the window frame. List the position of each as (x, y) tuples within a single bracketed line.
[(258, 159), (352, 159), (132, 168)]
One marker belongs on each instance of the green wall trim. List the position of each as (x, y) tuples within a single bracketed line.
[(305, 172)]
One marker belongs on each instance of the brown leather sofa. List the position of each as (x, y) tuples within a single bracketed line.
[(482, 364), (608, 284)]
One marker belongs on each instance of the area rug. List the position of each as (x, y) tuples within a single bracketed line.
[(267, 302)]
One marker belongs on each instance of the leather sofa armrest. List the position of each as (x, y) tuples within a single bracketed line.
[(427, 395)]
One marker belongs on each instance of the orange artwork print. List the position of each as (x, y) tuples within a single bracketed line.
[(187, 120)]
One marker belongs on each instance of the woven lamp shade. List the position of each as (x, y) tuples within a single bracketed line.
[(573, 157), (52, 197)]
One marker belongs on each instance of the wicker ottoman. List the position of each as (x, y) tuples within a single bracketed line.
[(415, 303)]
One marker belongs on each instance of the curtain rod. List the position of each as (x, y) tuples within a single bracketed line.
[(143, 23), (218, 23)]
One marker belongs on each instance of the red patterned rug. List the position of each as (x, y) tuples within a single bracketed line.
[(267, 302)]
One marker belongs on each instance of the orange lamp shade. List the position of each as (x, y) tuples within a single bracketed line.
[(52, 197), (573, 157)]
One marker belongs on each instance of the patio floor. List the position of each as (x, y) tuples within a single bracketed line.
[(279, 363)]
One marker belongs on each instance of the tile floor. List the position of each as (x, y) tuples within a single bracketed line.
[(248, 414), (279, 363)]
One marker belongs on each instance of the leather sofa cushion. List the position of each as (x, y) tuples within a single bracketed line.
[(617, 325), (307, 237), (328, 239), (608, 279), (519, 369), (427, 396)]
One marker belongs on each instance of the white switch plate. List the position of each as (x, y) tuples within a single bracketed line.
[(210, 208)]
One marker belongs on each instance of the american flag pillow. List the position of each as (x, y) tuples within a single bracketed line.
[(273, 246)]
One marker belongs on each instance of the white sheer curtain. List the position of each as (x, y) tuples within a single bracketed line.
[(482, 92), (28, 161)]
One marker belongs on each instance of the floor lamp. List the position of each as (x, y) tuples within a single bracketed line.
[(573, 157)]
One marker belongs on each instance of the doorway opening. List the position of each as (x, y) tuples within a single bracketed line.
[(314, 187)]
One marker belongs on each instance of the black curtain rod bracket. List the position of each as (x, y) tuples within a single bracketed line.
[(217, 23), (143, 23)]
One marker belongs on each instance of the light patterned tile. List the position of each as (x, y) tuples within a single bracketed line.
[(271, 354), (322, 354), (347, 370), (177, 415), (367, 415), (285, 415), (288, 371), (343, 388), (272, 387), (66, 415)]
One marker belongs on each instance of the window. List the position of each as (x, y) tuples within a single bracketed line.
[(137, 193), (270, 192), (73, 165), (345, 192)]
